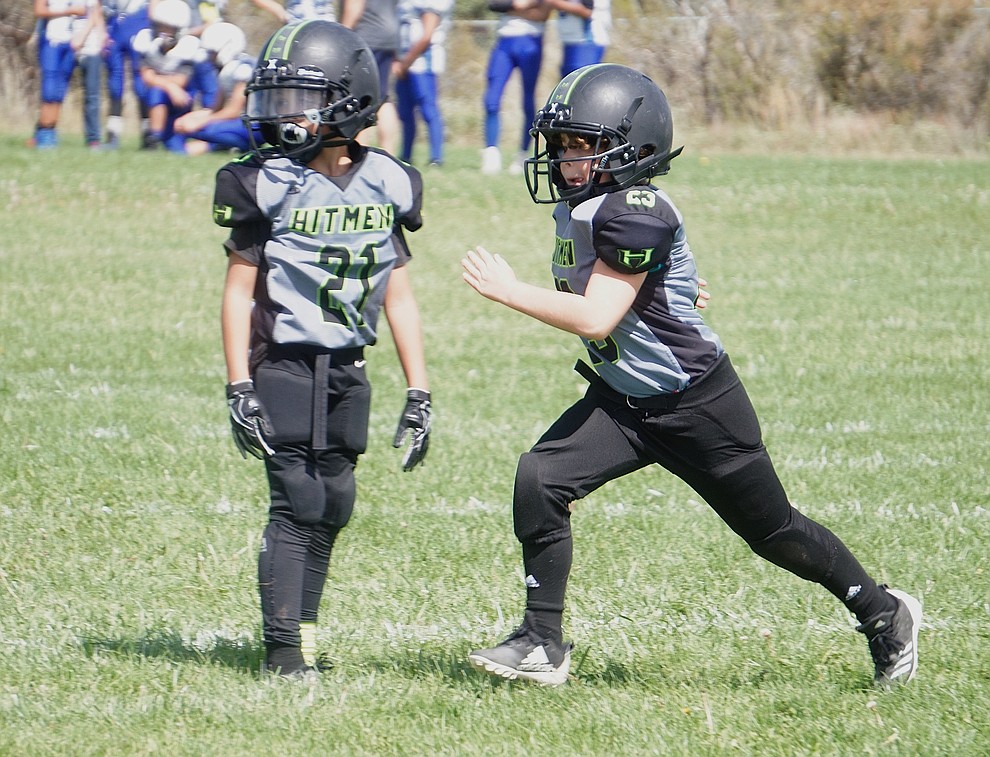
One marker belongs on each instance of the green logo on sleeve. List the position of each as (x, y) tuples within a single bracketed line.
[(634, 258), (222, 214)]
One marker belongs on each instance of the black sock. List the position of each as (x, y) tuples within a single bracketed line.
[(850, 582), (547, 569), (315, 573), (870, 602), (283, 659)]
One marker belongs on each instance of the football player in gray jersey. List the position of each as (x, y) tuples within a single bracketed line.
[(316, 252), (662, 387)]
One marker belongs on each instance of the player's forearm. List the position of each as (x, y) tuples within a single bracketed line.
[(235, 322), (430, 23), (409, 348), (418, 48), (574, 7), (235, 317), (226, 112), (404, 321), (156, 80), (402, 312), (272, 7), (351, 12), (563, 310)]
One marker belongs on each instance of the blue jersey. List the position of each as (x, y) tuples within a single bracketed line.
[(661, 344), (324, 247)]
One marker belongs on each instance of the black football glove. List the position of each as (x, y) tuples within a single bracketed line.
[(249, 422), (415, 418)]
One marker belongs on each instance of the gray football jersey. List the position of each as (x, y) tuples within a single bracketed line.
[(324, 248), (661, 343), (379, 25)]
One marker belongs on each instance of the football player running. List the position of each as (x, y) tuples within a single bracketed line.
[(662, 387), (316, 251)]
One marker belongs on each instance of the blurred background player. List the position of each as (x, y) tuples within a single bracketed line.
[(584, 28), (221, 127), (316, 252), (377, 23), (89, 42), (423, 28), (204, 85), (168, 62), (518, 45), (298, 10), (125, 20), (63, 26)]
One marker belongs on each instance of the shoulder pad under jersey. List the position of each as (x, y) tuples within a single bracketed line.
[(235, 200), (634, 230)]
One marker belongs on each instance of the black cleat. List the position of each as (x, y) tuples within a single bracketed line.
[(893, 639), (527, 657)]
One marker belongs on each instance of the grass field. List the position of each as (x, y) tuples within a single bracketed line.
[(852, 296)]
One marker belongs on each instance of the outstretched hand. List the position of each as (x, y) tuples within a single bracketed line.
[(701, 301), (489, 275)]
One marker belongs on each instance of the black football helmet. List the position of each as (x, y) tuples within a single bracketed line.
[(315, 72), (622, 114)]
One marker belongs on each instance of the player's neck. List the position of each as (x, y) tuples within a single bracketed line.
[(332, 161)]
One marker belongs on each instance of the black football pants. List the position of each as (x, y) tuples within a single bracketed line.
[(711, 439), (318, 405)]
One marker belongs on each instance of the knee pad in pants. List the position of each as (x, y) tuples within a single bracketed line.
[(310, 492), (801, 546), (540, 512)]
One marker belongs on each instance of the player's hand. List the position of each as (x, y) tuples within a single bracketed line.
[(178, 95), (489, 275), (415, 421), (249, 422), (701, 301), (192, 121)]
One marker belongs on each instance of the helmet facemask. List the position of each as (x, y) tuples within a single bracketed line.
[(545, 179), (284, 105), (166, 36), (629, 139)]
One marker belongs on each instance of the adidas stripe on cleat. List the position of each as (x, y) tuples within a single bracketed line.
[(893, 640), (525, 657)]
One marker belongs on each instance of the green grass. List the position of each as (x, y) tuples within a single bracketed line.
[(852, 296)]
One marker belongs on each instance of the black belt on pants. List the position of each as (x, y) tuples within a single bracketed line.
[(657, 401), (321, 389)]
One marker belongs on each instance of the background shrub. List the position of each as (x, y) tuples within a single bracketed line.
[(768, 65)]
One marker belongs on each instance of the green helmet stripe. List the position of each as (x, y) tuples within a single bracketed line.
[(562, 92), (278, 46)]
